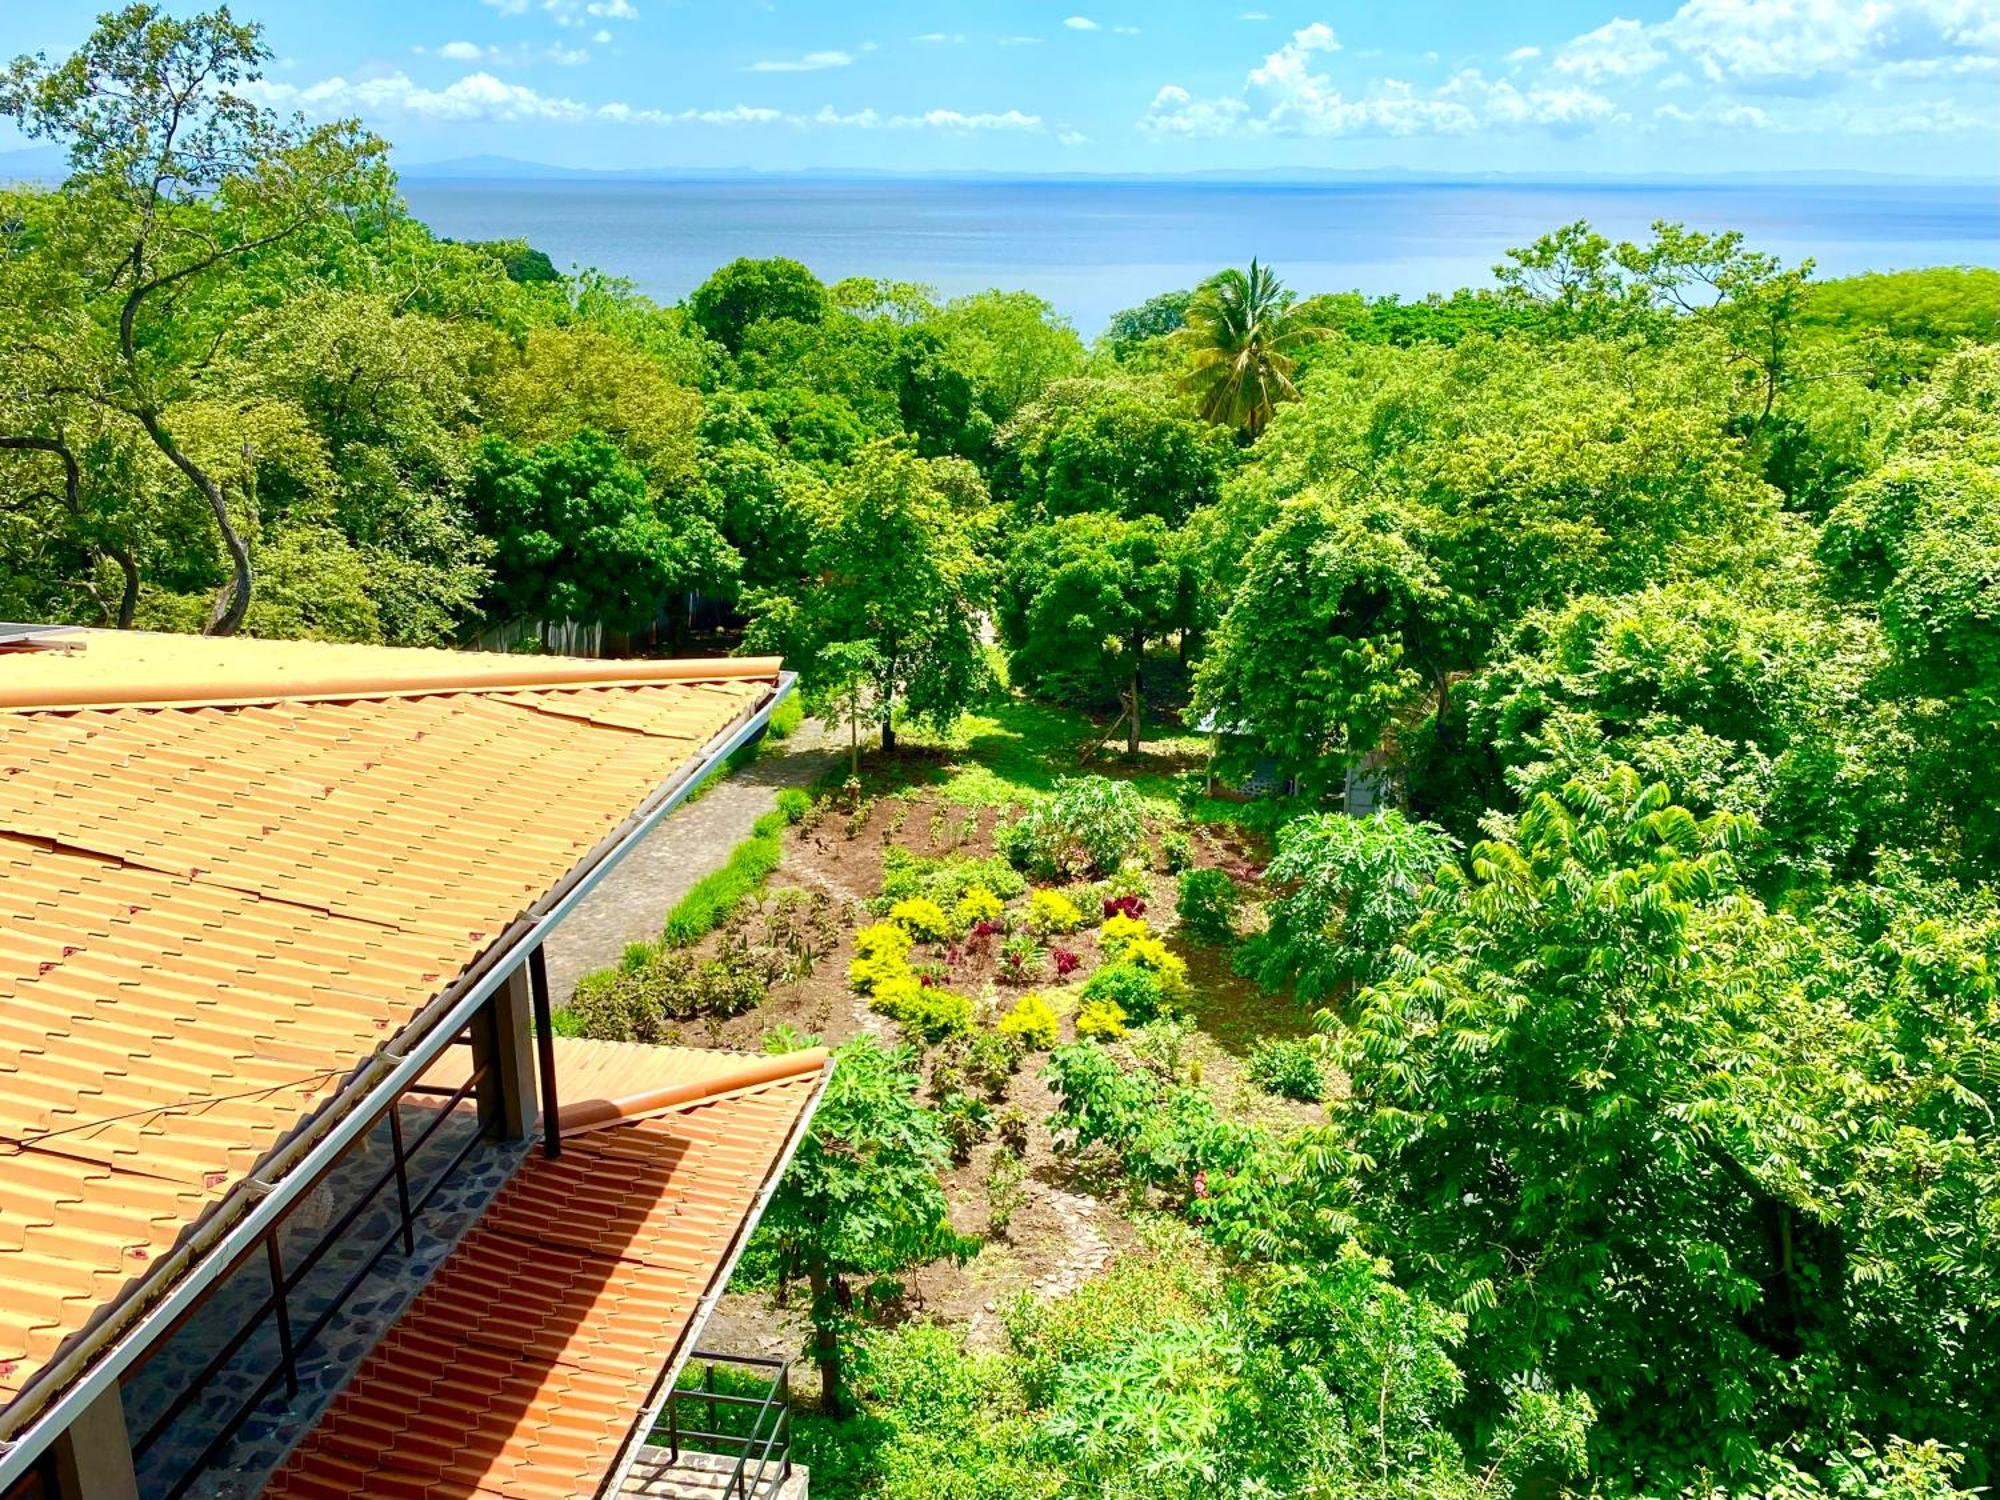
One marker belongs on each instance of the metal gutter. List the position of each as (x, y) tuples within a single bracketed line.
[(257, 1203), (656, 1402)]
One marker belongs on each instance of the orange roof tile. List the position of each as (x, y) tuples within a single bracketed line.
[(211, 915), (520, 1370)]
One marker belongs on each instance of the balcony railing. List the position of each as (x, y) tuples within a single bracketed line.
[(748, 1416)]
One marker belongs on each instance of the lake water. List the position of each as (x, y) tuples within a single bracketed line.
[(1093, 248)]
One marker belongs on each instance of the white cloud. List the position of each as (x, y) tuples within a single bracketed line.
[(1524, 54), (812, 62), (481, 96), (1082, 23), (600, 36), (1255, 15), (1073, 138), (1617, 49), (1289, 93), (1020, 41), (462, 51), (937, 38), (476, 96)]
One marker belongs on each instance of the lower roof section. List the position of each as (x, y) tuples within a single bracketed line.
[(521, 1370)]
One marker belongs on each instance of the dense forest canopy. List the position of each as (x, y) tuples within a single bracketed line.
[(1661, 581)]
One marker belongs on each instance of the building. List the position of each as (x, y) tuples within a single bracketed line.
[(287, 1144)]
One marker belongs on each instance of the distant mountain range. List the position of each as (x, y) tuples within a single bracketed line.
[(46, 163)]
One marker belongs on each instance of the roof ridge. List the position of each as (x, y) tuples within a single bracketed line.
[(585, 1115), (158, 670)]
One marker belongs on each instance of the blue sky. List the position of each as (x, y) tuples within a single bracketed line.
[(1141, 85)]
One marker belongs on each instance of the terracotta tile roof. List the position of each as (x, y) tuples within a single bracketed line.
[(211, 915), (520, 1370)]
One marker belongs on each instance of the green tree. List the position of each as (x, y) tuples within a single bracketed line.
[(861, 1198), (178, 182), (1082, 600), (1614, 1109), (1346, 890), (747, 292), (1337, 627), (1242, 338), (576, 536), (892, 563), (1120, 448)]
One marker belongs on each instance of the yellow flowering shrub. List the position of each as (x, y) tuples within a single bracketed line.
[(1033, 1021), (922, 918), (1103, 1020), (1051, 912)]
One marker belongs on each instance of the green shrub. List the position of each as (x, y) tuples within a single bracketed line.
[(1289, 1069), (786, 718), (794, 803), (946, 881), (1176, 851), (711, 900), (991, 1059), (965, 1121), (1085, 827), (1133, 990), (645, 1001), (1207, 905), (1006, 1191)]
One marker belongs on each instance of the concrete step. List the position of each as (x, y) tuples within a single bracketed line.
[(702, 1476)]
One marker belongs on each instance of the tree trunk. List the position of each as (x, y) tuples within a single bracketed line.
[(854, 747), (826, 1347), (128, 598), (231, 606), (1132, 724)]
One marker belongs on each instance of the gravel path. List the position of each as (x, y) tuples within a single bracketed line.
[(633, 900)]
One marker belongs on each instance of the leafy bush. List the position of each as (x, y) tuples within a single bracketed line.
[(1350, 888), (1066, 962), (1020, 959), (1033, 1021), (1134, 990), (946, 881), (1100, 1019), (1207, 905), (991, 1060), (1006, 1191), (794, 804), (965, 1121), (711, 900), (928, 1012), (1176, 851), (881, 954), (784, 723), (1119, 930), (1288, 1068), (1085, 827), (922, 918), (1052, 914), (978, 905), (642, 1001)]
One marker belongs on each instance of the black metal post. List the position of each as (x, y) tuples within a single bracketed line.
[(402, 1176), (275, 1261), (545, 1046)]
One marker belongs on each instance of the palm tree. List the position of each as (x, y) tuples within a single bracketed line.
[(1242, 338)]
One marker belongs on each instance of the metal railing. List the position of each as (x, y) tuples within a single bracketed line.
[(285, 1281), (767, 1438)]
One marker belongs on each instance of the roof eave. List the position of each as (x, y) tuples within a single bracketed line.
[(56, 1394)]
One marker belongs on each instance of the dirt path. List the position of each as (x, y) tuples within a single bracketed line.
[(634, 899)]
